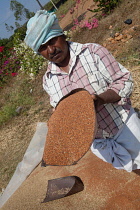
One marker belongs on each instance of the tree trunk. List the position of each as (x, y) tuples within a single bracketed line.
[(40, 4), (54, 5)]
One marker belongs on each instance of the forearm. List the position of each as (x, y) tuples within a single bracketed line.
[(110, 96)]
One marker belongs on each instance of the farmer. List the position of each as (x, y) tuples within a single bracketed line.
[(90, 66)]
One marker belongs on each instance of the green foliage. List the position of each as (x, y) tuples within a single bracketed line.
[(7, 112), (19, 10), (19, 58), (9, 28), (21, 32), (30, 62), (6, 43), (50, 7), (106, 6), (63, 9), (9, 65)]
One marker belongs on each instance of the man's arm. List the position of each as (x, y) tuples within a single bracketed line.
[(109, 96), (118, 78)]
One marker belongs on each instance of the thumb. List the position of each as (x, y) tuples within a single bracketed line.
[(94, 97)]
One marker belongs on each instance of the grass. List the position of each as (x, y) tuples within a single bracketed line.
[(18, 97), (63, 9), (17, 129)]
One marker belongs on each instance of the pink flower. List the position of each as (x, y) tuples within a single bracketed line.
[(90, 10), (78, 1), (6, 62), (1, 48), (90, 25), (62, 16), (95, 25), (76, 22), (10, 49), (76, 6), (14, 74), (71, 11), (73, 28)]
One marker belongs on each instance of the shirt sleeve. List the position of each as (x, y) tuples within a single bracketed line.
[(118, 77), (45, 87)]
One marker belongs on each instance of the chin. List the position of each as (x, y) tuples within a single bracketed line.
[(57, 61)]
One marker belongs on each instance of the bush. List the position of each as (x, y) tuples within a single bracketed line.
[(9, 64), (30, 62), (20, 58), (106, 6)]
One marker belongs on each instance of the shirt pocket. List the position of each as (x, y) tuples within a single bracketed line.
[(97, 82)]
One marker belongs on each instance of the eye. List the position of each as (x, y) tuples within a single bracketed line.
[(53, 41), (42, 47)]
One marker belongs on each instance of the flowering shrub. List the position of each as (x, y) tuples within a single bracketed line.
[(30, 62), (19, 58), (106, 6), (78, 2), (90, 24), (71, 11), (61, 16), (86, 24), (67, 34), (1, 48), (76, 7), (9, 64)]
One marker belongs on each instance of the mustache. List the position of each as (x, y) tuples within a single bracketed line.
[(56, 51)]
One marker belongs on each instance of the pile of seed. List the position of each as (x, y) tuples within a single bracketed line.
[(71, 130)]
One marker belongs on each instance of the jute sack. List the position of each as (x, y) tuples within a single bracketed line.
[(71, 129)]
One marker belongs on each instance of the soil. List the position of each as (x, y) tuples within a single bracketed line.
[(79, 12), (18, 131)]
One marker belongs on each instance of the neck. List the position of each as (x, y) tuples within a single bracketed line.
[(64, 66), (65, 69)]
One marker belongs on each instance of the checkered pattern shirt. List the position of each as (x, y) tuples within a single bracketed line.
[(93, 68)]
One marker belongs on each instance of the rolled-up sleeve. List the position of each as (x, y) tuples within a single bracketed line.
[(117, 76)]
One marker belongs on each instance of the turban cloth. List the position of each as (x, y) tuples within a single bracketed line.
[(41, 28)]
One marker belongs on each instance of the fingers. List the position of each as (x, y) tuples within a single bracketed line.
[(53, 109), (94, 97)]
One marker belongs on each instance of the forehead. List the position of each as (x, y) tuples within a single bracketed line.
[(58, 40), (55, 39)]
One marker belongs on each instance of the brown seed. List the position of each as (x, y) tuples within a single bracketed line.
[(71, 130)]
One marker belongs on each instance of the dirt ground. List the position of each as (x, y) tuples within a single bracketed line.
[(79, 11), (17, 133)]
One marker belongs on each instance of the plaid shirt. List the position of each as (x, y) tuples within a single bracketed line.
[(93, 68)]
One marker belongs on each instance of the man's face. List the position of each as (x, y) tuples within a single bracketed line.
[(55, 50)]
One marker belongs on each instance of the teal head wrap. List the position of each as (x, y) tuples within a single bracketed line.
[(41, 28)]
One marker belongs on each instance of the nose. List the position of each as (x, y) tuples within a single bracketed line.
[(51, 49)]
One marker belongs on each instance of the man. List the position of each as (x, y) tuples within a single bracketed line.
[(92, 67)]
